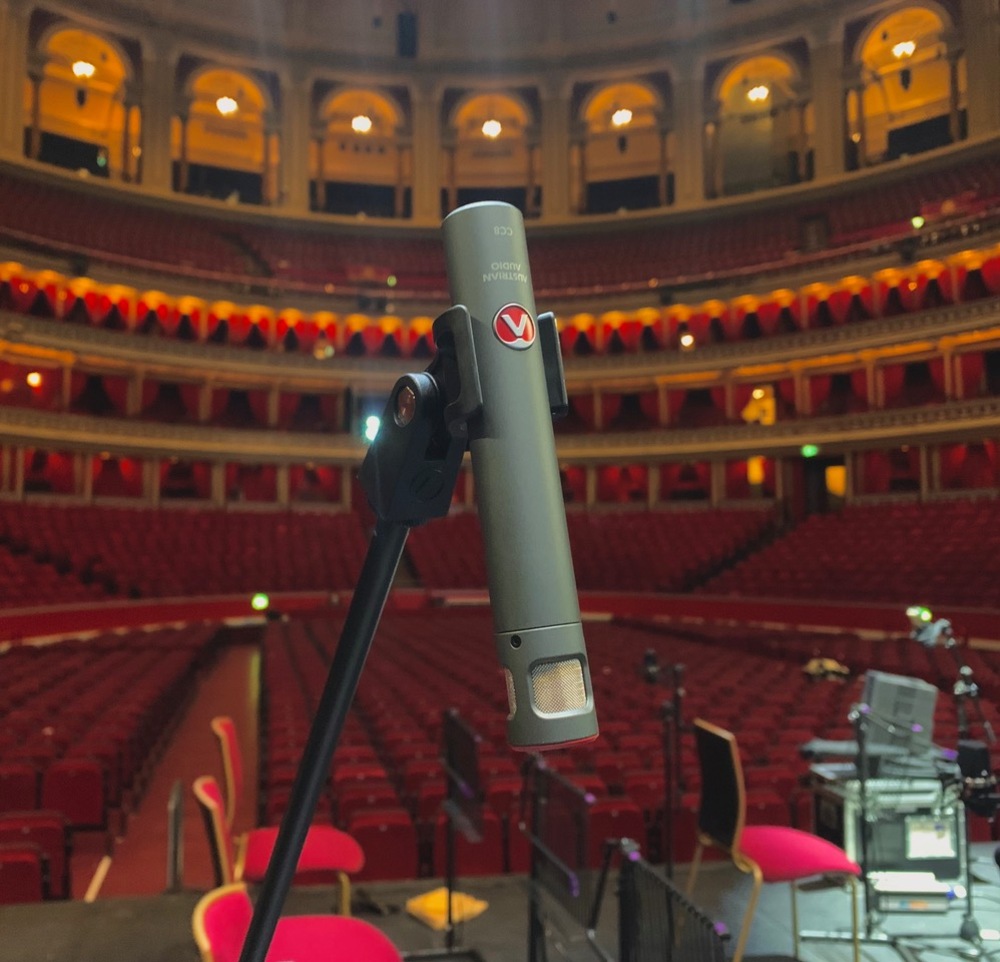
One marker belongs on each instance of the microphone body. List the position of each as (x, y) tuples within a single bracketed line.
[(536, 613)]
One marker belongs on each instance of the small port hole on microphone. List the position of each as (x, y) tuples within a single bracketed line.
[(515, 641)]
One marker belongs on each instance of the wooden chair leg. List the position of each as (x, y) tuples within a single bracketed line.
[(741, 944), (345, 893), (853, 892), (693, 871), (795, 920)]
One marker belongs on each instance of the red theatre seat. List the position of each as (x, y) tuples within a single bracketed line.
[(222, 917), (23, 873)]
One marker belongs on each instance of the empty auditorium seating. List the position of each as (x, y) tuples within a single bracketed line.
[(938, 552), (300, 257), (85, 720), (621, 550), (138, 552), (23, 873)]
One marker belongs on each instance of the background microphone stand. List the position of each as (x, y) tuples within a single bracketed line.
[(978, 784), (408, 476), (673, 770)]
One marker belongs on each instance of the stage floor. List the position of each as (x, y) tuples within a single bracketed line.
[(158, 929)]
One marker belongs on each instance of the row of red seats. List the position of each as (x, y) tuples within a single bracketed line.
[(102, 224), (175, 553), (620, 550), (387, 783), (937, 552), (81, 726)]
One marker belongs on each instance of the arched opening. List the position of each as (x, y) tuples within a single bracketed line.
[(78, 106), (760, 136), (623, 160), (224, 145), (911, 90), (361, 160), (489, 150)]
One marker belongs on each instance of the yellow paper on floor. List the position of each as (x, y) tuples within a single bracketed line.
[(432, 908)]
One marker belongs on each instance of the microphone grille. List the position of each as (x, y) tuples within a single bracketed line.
[(558, 686)]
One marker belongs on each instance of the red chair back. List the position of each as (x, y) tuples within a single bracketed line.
[(220, 841), (232, 762)]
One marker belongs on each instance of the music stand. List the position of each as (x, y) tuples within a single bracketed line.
[(463, 808), (558, 831)]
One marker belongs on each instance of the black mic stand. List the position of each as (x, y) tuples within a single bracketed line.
[(974, 796), (409, 477), (673, 772)]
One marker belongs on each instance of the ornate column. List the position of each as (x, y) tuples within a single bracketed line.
[(826, 56), (981, 28), (36, 73), (404, 143), (530, 146), (159, 63), (712, 138), (449, 143), (151, 481), (282, 486), (663, 174), (83, 465), (716, 482), (854, 83), (689, 121), (319, 138), (296, 108), (555, 150), (182, 170), (426, 155), (955, 52), (579, 148), (13, 70), (129, 100), (270, 176)]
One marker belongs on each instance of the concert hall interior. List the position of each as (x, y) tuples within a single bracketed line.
[(290, 294)]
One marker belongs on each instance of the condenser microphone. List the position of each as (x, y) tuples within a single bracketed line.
[(536, 613)]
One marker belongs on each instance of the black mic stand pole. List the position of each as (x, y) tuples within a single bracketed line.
[(859, 715), (408, 476), (673, 785)]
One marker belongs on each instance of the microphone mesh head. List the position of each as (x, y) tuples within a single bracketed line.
[(558, 686)]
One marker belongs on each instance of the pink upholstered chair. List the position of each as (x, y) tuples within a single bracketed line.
[(232, 762), (222, 917), (327, 849), (770, 853)]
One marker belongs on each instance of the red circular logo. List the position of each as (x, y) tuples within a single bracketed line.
[(514, 326)]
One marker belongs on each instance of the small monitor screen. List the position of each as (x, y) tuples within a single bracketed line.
[(901, 712)]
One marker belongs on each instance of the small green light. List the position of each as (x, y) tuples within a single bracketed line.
[(925, 614), (916, 222), (390, 281), (809, 450), (260, 602)]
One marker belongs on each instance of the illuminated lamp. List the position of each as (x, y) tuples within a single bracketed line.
[(758, 393), (226, 106), (809, 450), (917, 221), (622, 117), (83, 69), (904, 49), (758, 93), (34, 379), (687, 340), (492, 129), (391, 280), (361, 124), (372, 423), (260, 601)]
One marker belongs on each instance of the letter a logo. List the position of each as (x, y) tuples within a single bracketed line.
[(514, 326)]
